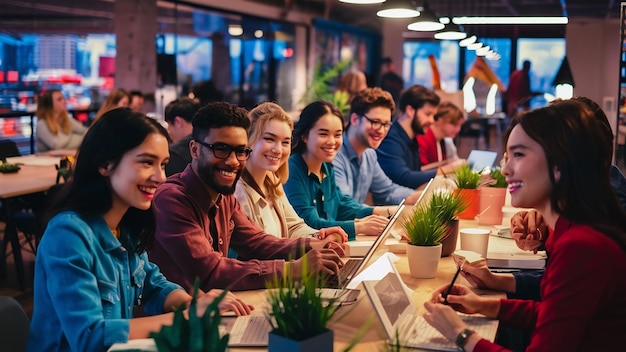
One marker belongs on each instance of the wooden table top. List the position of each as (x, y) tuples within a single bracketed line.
[(30, 179)]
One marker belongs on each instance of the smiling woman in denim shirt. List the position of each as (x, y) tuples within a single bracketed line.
[(91, 267)]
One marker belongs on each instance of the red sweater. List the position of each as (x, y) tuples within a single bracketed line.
[(428, 147), (583, 293)]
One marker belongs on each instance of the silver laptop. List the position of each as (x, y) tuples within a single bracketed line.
[(247, 331), (398, 317), (353, 266), (481, 159)]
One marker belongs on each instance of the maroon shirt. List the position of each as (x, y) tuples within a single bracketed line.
[(583, 294), (184, 248)]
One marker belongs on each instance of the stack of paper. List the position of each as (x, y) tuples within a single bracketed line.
[(504, 253)]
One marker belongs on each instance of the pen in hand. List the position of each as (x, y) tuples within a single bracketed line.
[(456, 275)]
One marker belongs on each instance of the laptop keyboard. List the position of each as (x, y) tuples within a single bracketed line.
[(250, 330), (345, 273), (418, 333)]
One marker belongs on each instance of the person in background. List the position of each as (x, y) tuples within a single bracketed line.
[(199, 219), (91, 266), (205, 92), (519, 93), (390, 80), (136, 100), (178, 115), (55, 128), (356, 168), (437, 144), (352, 83), (398, 154), (311, 187), (553, 154), (260, 191), (118, 98)]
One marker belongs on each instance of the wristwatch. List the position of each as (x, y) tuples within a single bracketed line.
[(461, 339)]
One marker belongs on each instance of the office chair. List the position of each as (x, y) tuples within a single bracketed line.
[(14, 325), (8, 149)]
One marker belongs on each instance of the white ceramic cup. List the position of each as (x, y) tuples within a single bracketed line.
[(475, 240)]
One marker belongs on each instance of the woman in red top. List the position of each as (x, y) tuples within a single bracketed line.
[(557, 162), (436, 144)]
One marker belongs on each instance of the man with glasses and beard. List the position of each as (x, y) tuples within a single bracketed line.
[(199, 219), (356, 166), (398, 154)]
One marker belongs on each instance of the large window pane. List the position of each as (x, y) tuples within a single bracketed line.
[(545, 56), (416, 68)]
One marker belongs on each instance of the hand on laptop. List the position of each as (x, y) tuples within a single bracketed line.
[(529, 230), (336, 232), (230, 302), (325, 261), (329, 243), (372, 225)]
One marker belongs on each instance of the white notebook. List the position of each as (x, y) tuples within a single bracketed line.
[(504, 253)]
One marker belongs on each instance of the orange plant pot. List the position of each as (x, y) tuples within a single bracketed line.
[(470, 196)]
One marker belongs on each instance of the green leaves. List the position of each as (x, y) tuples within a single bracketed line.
[(198, 334), (465, 177), (498, 180), (425, 226), (297, 310)]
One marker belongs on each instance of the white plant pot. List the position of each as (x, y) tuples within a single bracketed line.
[(423, 260)]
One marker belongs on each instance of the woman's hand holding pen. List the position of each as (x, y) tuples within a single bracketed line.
[(461, 298), (479, 276)]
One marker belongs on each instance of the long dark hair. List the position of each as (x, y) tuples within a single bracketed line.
[(88, 192), (308, 117), (574, 141)]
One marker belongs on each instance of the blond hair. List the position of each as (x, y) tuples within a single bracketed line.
[(45, 112), (110, 103), (260, 117)]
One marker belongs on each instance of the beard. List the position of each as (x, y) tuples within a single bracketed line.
[(207, 171), (416, 126)]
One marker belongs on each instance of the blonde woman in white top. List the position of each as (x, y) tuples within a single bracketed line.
[(260, 191)]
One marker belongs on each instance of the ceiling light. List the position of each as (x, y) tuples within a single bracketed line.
[(398, 9), (451, 31), (427, 21), (362, 1), (510, 20), (235, 30), (482, 51), (475, 46), (467, 41)]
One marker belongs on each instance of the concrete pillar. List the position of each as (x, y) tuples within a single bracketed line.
[(135, 31)]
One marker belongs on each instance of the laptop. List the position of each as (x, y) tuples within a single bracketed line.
[(481, 159), (398, 316), (352, 267)]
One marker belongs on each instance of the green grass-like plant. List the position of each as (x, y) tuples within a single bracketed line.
[(297, 310), (448, 204), (425, 226), (466, 178), (497, 179), (196, 334)]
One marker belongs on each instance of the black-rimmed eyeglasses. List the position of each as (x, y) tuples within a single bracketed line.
[(376, 125), (223, 151)]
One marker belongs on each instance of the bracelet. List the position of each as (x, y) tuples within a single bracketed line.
[(461, 339)]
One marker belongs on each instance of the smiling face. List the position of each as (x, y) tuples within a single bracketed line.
[(138, 174), (273, 147), (365, 133), (324, 139), (221, 175), (526, 171)]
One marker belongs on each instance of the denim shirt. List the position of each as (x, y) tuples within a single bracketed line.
[(86, 285), (320, 202), (355, 177)]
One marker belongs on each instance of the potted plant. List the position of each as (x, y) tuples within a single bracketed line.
[(450, 205), (425, 228), (468, 181), (298, 314), (196, 333), (492, 198)]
